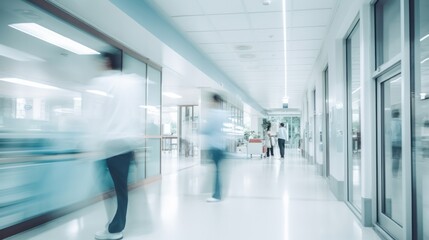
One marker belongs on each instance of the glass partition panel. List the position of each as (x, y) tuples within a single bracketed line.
[(387, 29), (354, 135), (153, 157), (153, 123), (137, 69), (42, 88), (420, 120)]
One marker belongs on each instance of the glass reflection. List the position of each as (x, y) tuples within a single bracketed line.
[(353, 73), (392, 203), (420, 119)]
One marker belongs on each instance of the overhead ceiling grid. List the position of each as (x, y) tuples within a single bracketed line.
[(244, 38)]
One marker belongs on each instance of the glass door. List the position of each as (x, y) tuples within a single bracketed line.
[(327, 131), (153, 123), (390, 191), (354, 118)]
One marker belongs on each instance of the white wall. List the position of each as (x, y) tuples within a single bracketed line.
[(333, 55)]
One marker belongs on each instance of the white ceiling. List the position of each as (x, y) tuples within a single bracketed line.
[(244, 38)]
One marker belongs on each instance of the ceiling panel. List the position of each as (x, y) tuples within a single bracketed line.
[(180, 8), (271, 54), (244, 38), (304, 44), (257, 6), (302, 53), (299, 61), (306, 33), (220, 6), (236, 36), (311, 4), (266, 20), (310, 18), (269, 46), (223, 56), (194, 23), (213, 48), (204, 37), (268, 35), (230, 22)]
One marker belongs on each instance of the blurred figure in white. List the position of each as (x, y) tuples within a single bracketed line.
[(112, 109), (215, 141), (269, 141)]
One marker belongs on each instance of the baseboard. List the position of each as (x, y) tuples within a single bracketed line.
[(337, 188), (367, 212), (319, 169), (52, 215)]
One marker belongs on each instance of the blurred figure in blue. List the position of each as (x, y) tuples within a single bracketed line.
[(215, 140), (113, 109)]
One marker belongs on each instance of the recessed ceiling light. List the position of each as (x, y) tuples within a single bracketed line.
[(27, 83), (53, 38), (98, 92), (243, 47), (171, 95)]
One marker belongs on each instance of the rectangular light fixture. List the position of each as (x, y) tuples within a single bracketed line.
[(98, 92), (53, 38), (27, 83), (171, 95), (17, 55)]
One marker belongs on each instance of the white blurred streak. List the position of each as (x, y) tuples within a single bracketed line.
[(27, 83), (98, 92), (17, 55)]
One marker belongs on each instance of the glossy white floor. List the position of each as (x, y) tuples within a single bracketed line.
[(265, 199)]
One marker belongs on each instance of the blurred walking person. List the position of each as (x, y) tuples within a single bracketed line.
[(215, 141), (113, 109)]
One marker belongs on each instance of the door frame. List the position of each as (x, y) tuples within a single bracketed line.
[(383, 221)]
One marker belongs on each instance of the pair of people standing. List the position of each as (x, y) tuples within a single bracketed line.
[(281, 139)]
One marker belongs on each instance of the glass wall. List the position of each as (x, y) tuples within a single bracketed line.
[(387, 30), (153, 123), (420, 120), (189, 147), (138, 69), (327, 119), (46, 158), (354, 117), (390, 193)]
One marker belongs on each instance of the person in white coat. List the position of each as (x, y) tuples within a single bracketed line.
[(269, 142), (113, 113)]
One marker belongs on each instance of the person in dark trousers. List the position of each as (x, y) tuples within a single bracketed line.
[(113, 110), (281, 138), (215, 140)]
